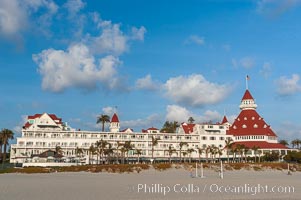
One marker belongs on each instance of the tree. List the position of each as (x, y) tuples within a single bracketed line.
[(296, 143), (181, 144), (138, 153), (1, 144), (170, 151), (103, 119), (5, 136), (119, 144), (79, 151), (92, 152), (191, 120), (101, 145), (170, 127), (284, 142), (207, 151), (155, 142), (128, 146), (255, 149), (246, 150), (200, 151), (108, 152), (123, 151), (228, 146), (239, 148), (58, 150), (190, 151)]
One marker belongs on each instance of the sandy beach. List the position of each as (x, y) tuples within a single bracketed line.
[(151, 184)]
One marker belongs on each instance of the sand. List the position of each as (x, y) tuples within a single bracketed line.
[(171, 184)]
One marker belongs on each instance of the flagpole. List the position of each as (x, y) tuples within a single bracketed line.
[(247, 82)]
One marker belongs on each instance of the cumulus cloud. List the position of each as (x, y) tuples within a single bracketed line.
[(288, 86), (266, 70), (75, 67), (112, 39), (15, 15), (195, 90), (109, 110), (288, 130), (138, 33), (275, 8), (182, 114), (154, 120), (74, 6), (146, 83), (245, 62), (194, 39)]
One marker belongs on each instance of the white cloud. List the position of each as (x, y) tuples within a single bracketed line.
[(288, 86), (74, 6), (109, 110), (288, 131), (146, 83), (266, 70), (181, 114), (15, 17), (75, 67), (138, 34), (274, 8), (194, 39), (245, 62), (112, 39), (195, 90), (18, 128), (153, 120)]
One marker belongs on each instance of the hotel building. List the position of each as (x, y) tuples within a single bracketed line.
[(45, 132)]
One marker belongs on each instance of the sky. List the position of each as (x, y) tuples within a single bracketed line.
[(150, 61)]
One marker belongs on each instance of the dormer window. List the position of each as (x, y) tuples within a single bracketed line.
[(234, 127), (253, 118), (265, 126), (245, 118), (255, 126), (244, 126)]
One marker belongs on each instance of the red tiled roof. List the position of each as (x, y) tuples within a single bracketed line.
[(115, 118), (225, 120), (188, 128), (249, 122), (247, 95), (261, 145)]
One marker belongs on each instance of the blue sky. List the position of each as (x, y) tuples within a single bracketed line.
[(151, 61)]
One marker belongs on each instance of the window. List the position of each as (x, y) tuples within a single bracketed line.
[(204, 138), (212, 138), (221, 138)]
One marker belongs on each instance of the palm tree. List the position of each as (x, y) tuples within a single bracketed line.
[(284, 142), (92, 151), (58, 150), (207, 151), (246, 150), (184, 155), (138, 153), (200, 151), (228, 146), (123, 150), (255, 149), (219, 152), (128, 146), (79, 151), (190, 151), (212, 151), (101, 145), (5, 136), (239, 148), (119, 144), (108, 152), (170, 127), (1, 144), (155, 142), (170, 151), (103, 119), (190, 120), (181, 144), (296, 143)]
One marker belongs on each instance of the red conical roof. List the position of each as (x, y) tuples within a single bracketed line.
[(249, 122), (225, 120), (247, 95), (115, 118)]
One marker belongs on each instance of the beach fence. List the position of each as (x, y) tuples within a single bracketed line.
[(199, 171)]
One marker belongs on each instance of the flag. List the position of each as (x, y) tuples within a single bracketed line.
[(247, 78)]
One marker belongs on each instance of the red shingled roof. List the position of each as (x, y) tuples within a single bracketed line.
[(249, 122), (247, 95), (261, 145), (225, 120), (115, 118), (188, 128)]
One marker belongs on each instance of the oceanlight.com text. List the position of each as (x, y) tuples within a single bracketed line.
[(251, 189)]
